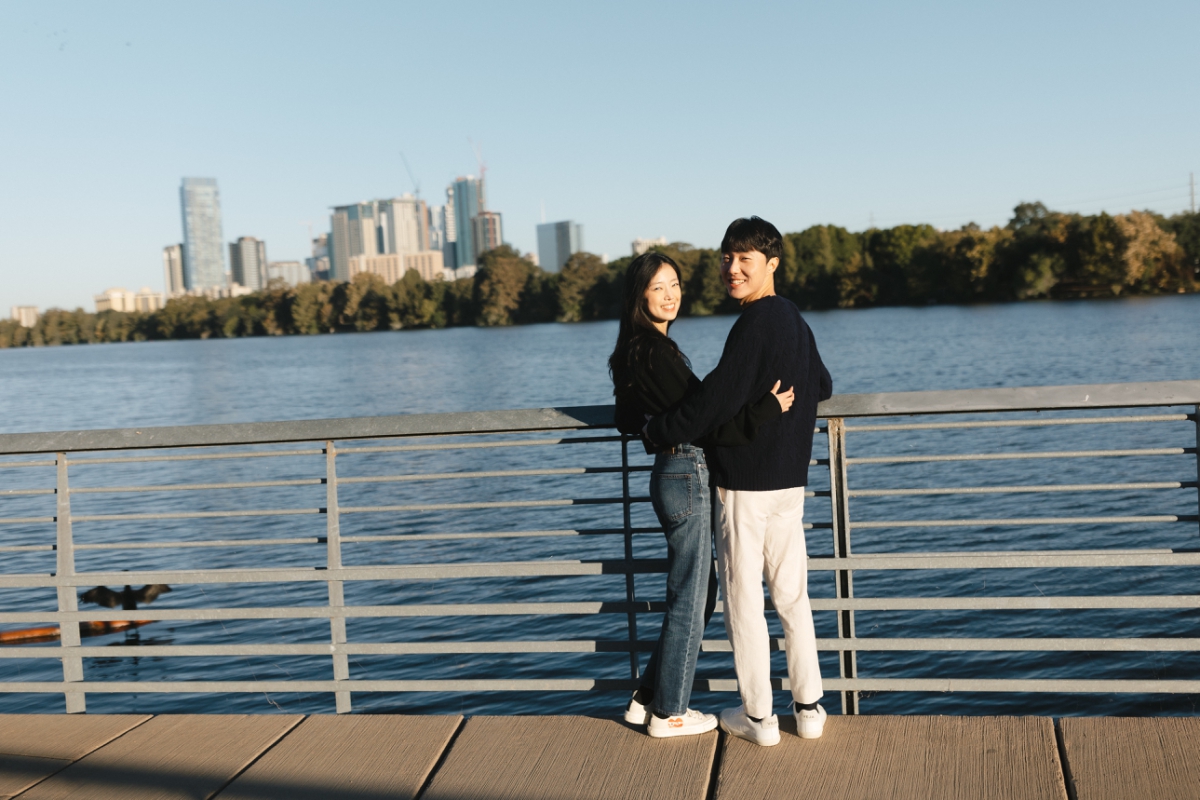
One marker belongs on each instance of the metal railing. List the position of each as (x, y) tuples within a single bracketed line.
[(355, 493)]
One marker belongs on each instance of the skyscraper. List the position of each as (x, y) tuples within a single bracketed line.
[(558, 241), (386, 237), (203, 249), (450, 243), (248, 262), (352, 233), (486, 231), (173, 270), (468, 202)]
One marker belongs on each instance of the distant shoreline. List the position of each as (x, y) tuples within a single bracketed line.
[(1040, 254)]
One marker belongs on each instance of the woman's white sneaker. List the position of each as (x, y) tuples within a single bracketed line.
[(686, 724), (809, 724), (736, 722), (636, 713)]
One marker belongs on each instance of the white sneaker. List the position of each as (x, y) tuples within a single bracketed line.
[(809, 724), (736, 722), (636, 713), (686, 724)]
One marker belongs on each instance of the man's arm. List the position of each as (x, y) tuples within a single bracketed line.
[(736, 380)]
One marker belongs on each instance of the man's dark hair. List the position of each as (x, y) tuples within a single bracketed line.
[(744, 235)]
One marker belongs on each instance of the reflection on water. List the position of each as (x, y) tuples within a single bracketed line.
[(553, 365)]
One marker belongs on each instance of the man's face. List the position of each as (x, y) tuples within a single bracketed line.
[(748, 276)]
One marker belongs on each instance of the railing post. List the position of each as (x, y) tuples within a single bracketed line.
[(1196, 420), (333, 560), (630, 593), (68, 601), (844, 578)]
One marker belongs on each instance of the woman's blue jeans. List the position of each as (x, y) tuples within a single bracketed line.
[(683, 502)]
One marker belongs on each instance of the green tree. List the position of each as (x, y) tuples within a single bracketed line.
[(501, 279), (577, 284)]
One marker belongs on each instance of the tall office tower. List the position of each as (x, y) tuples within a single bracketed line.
[(403, 225), (353, 232), (248, 262), (173, 270), (450, 246), (486, 232), (468, 202), (203, 251), (437, 227), (318, 265), (558, 241)]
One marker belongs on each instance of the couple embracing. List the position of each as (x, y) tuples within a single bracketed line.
[(735, 434)]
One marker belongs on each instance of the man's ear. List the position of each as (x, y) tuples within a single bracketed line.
[(773, 264)]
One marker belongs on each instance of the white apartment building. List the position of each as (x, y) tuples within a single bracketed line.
[(642, 245), (26, 316), (144, 300)]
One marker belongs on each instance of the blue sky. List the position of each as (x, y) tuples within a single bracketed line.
[(635, 119)]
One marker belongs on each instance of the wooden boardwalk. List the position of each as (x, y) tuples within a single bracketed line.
[(371, 757)]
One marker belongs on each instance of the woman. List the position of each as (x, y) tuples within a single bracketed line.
[(650, 376)]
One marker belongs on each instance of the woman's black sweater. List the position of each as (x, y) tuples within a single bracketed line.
[(664, 381)]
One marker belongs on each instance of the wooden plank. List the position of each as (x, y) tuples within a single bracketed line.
[(536, 758), (1123, 757), (186, 757), (62, 736), (923, 758), (349, 757), (35, 746)]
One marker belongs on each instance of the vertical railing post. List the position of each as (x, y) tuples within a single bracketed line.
[(844, 578), (333, 560), (627, 525), (68, 601), (1196, 420)]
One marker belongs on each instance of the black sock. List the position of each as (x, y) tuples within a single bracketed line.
[(807, 706), (644, 695), (756, 719)]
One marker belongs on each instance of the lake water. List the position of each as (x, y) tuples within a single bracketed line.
[(464, 369)]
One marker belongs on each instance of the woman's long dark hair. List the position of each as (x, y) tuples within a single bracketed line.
[(637, 334)]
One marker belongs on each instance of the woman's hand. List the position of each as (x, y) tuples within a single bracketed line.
[(785, 398)]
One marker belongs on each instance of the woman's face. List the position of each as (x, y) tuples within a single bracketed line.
[(662, 296)]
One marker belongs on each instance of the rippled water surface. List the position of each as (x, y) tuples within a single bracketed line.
[(904, 349)]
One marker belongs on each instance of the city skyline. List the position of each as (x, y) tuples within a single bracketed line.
[(936, 113)]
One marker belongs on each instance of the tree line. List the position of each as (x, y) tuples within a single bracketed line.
[(1039, 254)]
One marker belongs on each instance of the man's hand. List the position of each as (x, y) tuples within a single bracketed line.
[(785, 398)]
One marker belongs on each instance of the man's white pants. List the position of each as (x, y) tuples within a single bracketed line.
[(762, 536)]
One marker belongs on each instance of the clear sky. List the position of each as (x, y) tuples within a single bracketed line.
[(634, 119)]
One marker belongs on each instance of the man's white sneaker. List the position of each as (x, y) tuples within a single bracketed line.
[(636, 713), (736, 722), (688, 723), (809, 724)]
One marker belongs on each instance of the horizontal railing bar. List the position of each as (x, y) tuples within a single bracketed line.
[(27, 548), (14, 464), (13, 492), (954, 523), (587, 501), (210, 543), (897, 561), (586, 684), (182, 487), (423, 537), (397, 572), (586, 608), (267, 512), (25, 520), (1020, 423), (1097, 645), (1158, 451), (512, 473), (410, 448), (1050, 487), (76, 462)]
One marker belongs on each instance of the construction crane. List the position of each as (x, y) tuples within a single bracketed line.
[(416, 183)]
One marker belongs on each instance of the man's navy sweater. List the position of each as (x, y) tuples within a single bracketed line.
[(771, 342)]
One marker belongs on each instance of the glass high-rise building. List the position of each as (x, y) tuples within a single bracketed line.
[(203, 244), (558, 241), (468, 202)]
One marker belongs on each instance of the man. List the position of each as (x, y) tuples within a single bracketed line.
[(761, 484)]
